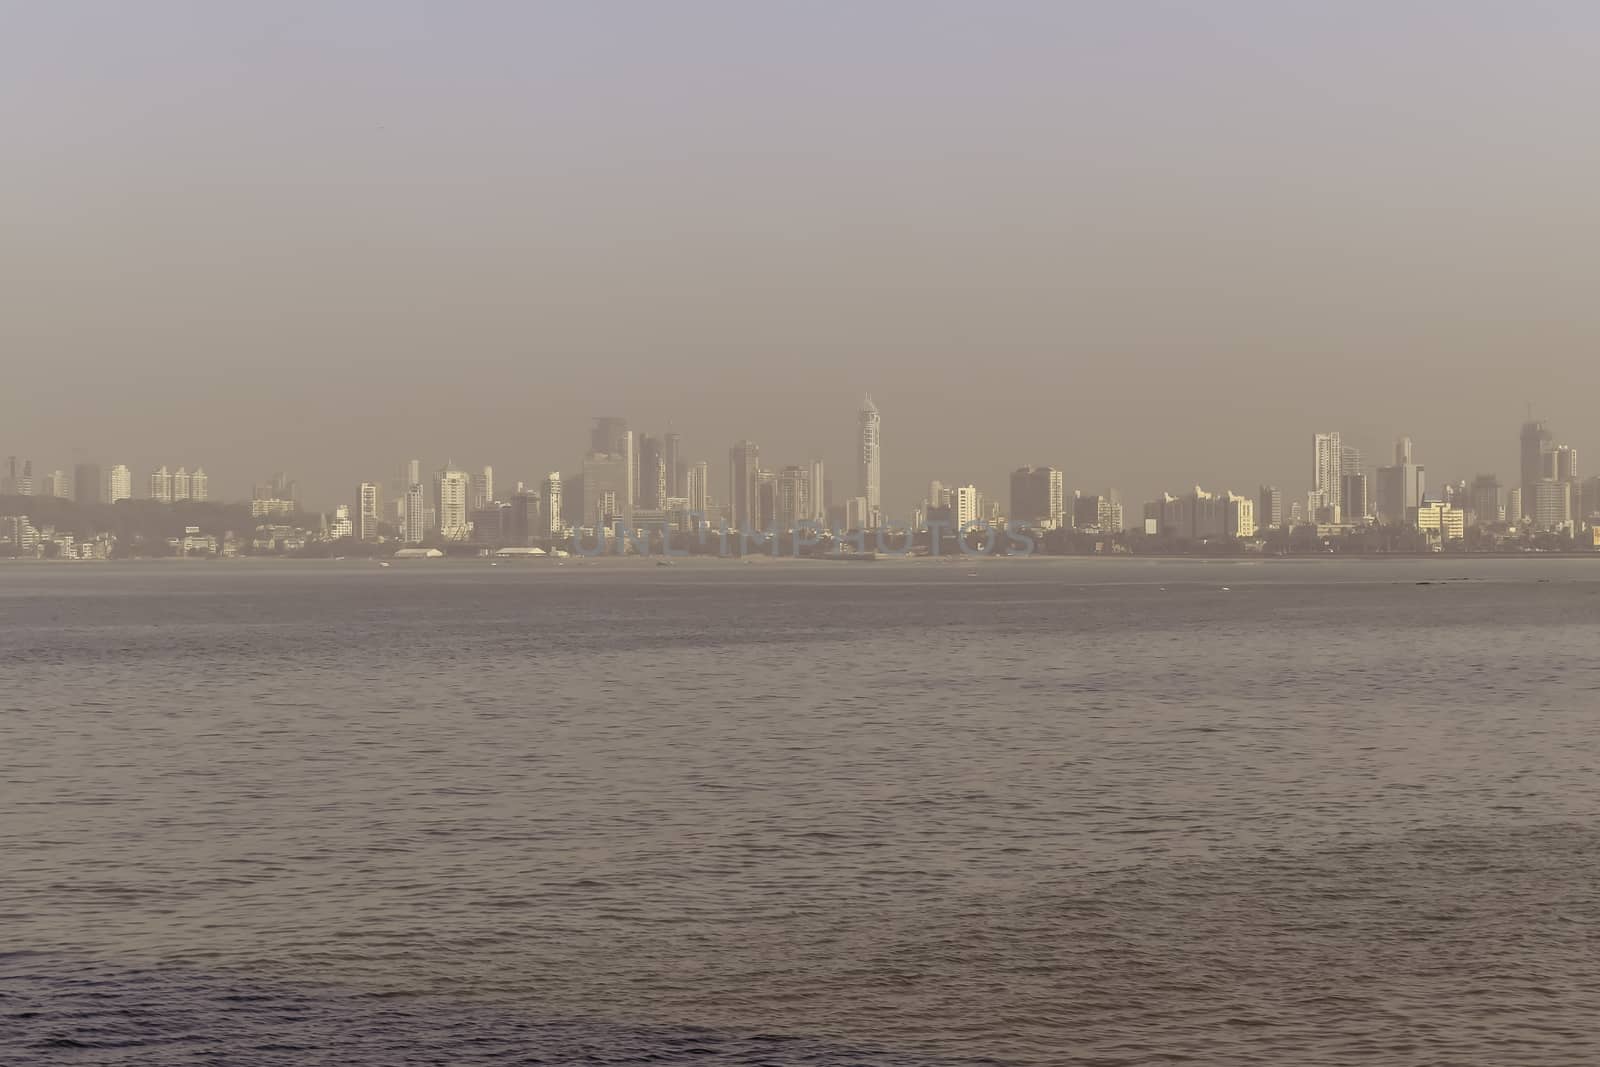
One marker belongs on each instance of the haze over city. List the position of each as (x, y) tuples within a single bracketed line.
[(1154, 245)]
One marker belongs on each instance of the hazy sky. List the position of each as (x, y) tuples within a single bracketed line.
[(1152, 243)]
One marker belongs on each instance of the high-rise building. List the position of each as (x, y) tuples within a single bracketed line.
[(86, 487), (161, 485), (1589, 500), (25, 479), (1327, 476), (609, 435), (1514, 509), (119, 484), (483, 489), (1349, 459), (1239, 519), (8, 478), (966, 502), (199, 485), (870, 472), (653, 485), (744, 481), (766, 499), (1552, 504), (603, 490), (698, 490), (455, 491), (57, 484), (551, 527), (793, 488), (1484, 500), (343, 525), (1037, 497), (677, 467), (369, 510), (414, 515), (1401, 486), (819, 489), (630, 490), (1353, 495), (1110, 514), (1441, 521), (1566, 458), (180, 484), (1536, 440), (1269, 511)]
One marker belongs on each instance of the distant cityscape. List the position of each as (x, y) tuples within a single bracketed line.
[(635, 487)]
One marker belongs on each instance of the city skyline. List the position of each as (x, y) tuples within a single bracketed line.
[(1332, 451), (1025, 233)]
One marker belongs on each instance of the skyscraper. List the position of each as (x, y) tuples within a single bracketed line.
[(967, 502), (1269, 510), (870, 480), (1401, 486), (1552, 506), (58, 485), (819, 487), (794, 497), (199, 485), (180, 484), (119, 484), (161, 485), (698, 490), (86, 487), (677, 467), (455, 489), (483, 489), (368, 511), (552, 527), (1327, 475), (414, 515), (1536, 440), (744, 480), (602, 491), (653, 485), (609, 435), (1484, 499), (25, 479), (1037, 497), (1353, 494)]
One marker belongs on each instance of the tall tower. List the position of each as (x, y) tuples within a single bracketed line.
[(119, 484), (1328, 472), (86, 478), (368, 512), (677, 468), (414, 514), (199, 485), (553, 527), (454, 490), (870, 480), (483, 489), (653, 474), (697, 487), (1536, 441), (744, 485), (161, 485)]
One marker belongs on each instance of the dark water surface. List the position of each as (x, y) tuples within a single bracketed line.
[(1025, 812)]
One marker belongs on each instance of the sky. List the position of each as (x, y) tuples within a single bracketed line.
[(1155, 244)]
